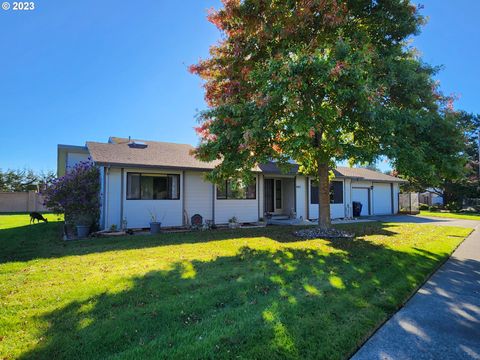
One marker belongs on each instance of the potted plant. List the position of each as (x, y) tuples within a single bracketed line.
[(83, 224), (155, 226), (233, 223)]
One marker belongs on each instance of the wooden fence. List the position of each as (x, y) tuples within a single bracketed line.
[(27, 201)]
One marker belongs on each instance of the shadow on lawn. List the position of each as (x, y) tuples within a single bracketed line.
[(294, 303), (43, 241)]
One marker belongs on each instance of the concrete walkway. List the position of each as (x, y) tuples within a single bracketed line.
[(442, 320)]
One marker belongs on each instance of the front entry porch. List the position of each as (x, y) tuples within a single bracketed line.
[(279, 198)]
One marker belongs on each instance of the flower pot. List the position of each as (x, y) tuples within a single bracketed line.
[(83, 231), (232, 225), (155, 227)]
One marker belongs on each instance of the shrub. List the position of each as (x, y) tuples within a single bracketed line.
[(423, 207), (433, 208), (77, 194), (453, 206)]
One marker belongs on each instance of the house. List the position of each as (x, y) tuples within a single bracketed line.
[(143, 177), (431, 197)]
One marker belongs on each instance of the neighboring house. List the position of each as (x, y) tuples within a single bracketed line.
[(431, 197), (143, 177)]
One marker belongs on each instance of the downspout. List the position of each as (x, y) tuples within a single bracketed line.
[(391, 198), (213, 203), (307, 179), (102, 220), (107, 188), (122, 185), (258, 196), (183, 198), (295, 194)]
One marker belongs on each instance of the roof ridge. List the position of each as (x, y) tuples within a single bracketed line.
[(147, 141)]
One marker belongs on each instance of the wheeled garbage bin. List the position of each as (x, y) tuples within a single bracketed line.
[(357, 208)]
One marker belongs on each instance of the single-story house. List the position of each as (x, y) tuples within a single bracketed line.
[(431, 197), (140, 178)]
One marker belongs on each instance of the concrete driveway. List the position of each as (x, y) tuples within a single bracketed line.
[(442, 320)]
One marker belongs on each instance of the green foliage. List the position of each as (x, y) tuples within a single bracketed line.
[(322, 82), (24, 180), (76, 194), (423, 207), (454, 206), (456, 180), (250, 293)]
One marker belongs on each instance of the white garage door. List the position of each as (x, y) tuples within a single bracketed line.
[(361, 195), (382, 199)]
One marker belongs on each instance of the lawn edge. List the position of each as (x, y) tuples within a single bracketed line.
[(412, 294), (460, 217)]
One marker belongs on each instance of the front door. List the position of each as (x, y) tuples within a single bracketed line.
[(273, 196), (269, 198)]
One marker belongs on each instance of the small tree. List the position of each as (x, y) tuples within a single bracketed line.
[(321, 81), (77, 194)]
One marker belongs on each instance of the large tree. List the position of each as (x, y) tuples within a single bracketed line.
[(454, 186), (318, 81)]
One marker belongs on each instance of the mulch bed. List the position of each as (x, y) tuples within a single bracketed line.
[(324, 233)]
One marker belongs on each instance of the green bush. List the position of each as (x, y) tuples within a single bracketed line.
[(453, 206), (423, 207), (433, 208)]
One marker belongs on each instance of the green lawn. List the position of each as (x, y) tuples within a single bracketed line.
[(252, 293), (465, 216)]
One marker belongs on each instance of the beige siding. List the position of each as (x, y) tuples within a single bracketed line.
[(301, 197), (198, 195), (75, 158), (243, 210), (112, 191)]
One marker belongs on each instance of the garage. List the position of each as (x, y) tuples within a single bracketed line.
[(362, 195), (382, 199)]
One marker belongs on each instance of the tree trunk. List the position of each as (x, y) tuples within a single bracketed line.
[(323, 196)]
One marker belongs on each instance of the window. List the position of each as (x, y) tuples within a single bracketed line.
[(231, 190), (278, 194), (153, 186), (336, 192)]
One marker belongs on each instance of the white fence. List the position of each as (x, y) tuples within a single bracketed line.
[(27, 201)]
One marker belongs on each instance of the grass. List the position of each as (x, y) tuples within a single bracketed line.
[(451, 215), (252, 293)]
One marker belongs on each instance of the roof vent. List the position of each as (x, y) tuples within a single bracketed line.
[(137, 144)]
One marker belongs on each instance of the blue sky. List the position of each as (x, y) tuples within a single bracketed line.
[(73, 71)]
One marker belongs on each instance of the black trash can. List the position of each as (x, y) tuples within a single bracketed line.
[(357, 208)]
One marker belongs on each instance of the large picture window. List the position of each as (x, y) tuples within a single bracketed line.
[(336, 192), (153, 186), (236, 190)]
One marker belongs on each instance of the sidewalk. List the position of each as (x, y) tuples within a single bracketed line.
[(442, 320)]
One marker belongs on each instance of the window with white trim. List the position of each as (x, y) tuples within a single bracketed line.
[(153, 186)]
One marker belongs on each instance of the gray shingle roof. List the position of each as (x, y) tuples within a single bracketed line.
[(340, 172), (172, 155), (155, 154), (364, 174)]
